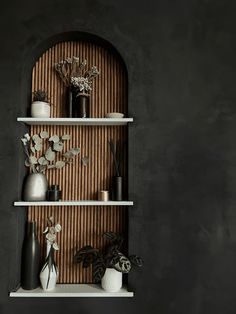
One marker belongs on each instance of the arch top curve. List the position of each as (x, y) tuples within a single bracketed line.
[(51, 41), (110, 87)]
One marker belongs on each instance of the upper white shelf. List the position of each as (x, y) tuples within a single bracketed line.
[(72, 290), (75, 203), (75, 121)]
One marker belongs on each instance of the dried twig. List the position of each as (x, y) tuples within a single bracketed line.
[(115, 157)]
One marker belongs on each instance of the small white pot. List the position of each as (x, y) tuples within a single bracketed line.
[(40, 109), (50, 284), (112, 280)]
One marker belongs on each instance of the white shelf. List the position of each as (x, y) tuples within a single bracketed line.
[(75, 121), (72, 290), (75, 203)]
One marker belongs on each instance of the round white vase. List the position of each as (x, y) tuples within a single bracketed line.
[(35, 187), (112, 280), (40, 109), (48, 282)]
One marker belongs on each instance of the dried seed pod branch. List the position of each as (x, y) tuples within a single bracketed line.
[(33, 145)]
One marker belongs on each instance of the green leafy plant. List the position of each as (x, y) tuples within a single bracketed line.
[(73, 74), (38, 160), (51, 232), (111, 257), (40, 95)]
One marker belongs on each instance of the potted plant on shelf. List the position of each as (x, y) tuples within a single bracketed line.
[(108, 265), (49, 273), (39, 159), (40, 107), (79, 82)]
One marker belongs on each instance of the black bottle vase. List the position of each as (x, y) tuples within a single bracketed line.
[(117, 189), (30, 259)]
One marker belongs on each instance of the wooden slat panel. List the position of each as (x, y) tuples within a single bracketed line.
[(83, 225)]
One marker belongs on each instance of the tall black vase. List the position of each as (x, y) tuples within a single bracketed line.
[(30, 259), (69, 103), (80, 106), (117, 189)]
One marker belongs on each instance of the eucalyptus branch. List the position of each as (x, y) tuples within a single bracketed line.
[(47, 159)]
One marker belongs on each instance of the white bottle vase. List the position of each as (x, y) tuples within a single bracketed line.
[(112, 280), (40, 109)]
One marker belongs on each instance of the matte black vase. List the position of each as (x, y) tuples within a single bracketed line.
[(80, 106), (30, 266), (117, 189)]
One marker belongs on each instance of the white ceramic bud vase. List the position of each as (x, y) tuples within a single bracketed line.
[(112, 280), (40, 109), (49, 273), (48, 281)]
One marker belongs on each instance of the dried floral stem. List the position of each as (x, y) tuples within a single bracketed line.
[(70, 70), (51, 231)]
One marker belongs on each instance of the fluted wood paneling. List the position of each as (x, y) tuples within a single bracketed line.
[(83, 225)]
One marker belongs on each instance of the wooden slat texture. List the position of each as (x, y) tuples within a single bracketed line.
[(83, 225)]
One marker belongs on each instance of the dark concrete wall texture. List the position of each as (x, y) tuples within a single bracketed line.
[(181, 62)]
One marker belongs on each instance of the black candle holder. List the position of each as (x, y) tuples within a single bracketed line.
[(53, 193), (117, 188)]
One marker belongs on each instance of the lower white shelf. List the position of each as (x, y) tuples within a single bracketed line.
[(72, 290)]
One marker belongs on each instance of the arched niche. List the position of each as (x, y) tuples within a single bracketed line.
[(83, 225)]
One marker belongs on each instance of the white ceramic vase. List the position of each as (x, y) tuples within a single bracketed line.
[(49, 273), (40, 109), (48, 282), (35, 187), (112, 280)]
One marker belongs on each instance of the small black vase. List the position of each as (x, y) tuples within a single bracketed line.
[(80, 106), (30, 259), (117, 189)]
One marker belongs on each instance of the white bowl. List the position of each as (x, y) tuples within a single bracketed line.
[(114, 115)]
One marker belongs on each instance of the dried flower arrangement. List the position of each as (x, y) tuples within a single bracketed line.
[(34, 144), (51, 232), (73, 74)]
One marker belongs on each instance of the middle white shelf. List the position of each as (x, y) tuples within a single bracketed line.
[(75, 121), (75, 203)]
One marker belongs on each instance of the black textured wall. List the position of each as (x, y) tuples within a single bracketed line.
[(181, 59)]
